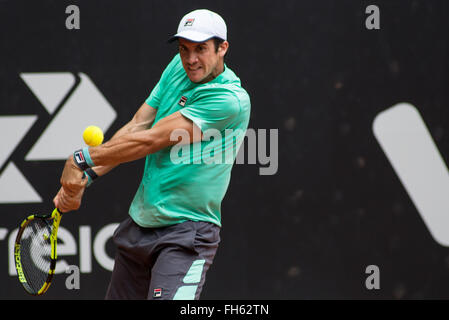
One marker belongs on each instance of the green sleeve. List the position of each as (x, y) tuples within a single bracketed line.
[(156, 94), (216, 108)]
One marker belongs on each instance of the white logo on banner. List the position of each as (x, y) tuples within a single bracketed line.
[(89, 247), (13, 185), (85, 106), (414, 156)]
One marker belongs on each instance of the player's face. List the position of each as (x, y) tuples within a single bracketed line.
[(201, 61)]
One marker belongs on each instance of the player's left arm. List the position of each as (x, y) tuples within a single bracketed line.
[(70, 193), (131, 146), (135, 145), (143, 119)]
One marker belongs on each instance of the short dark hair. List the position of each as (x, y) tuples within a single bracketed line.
[(217, 42)]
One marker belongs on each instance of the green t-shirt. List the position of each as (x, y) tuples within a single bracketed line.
[(189, 182)]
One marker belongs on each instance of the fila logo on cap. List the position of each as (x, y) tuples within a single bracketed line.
[(189, 22), (201, 25)]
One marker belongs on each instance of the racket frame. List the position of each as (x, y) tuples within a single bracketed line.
[(56, 217)]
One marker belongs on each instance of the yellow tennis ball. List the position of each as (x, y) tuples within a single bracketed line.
[(93, 136)]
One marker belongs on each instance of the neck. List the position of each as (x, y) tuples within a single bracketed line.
[(215, 73), (219, 69)]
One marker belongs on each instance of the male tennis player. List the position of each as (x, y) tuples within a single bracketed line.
[(170, 238)]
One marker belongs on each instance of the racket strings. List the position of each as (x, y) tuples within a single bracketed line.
[(36, 253)]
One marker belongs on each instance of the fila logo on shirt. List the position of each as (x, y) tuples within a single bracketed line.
[(182, 101), (189, 22)]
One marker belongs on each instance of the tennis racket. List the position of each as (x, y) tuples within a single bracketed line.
[(35, 251)]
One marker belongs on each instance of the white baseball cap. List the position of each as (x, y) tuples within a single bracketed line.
[(201, 25)]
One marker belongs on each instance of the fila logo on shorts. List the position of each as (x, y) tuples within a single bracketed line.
[(189, 22), (157, 293), (182, 101)]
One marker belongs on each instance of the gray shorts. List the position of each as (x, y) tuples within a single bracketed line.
[(162, 263)]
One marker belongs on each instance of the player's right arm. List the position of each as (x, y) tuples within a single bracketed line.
[(142, 120)]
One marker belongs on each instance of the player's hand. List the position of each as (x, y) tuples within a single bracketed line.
[(72, 178), (66, 203)]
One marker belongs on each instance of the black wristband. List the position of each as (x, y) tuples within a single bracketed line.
[(91, 173), (80, 160)]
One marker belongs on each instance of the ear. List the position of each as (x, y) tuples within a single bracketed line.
[(223, 48)]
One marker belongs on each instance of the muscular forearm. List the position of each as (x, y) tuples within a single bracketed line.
[(125, 148), (133, 126), (78, 172), (131, 146)]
